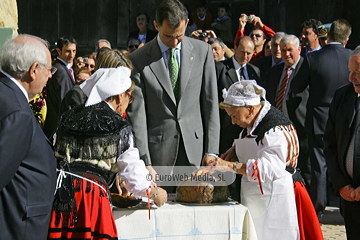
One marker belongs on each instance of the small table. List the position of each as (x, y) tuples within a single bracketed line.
[(228, 220)]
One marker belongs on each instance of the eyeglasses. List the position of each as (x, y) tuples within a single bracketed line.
[(52, 70), (131, 98), (133, 46), (256, 35), (91, 65)]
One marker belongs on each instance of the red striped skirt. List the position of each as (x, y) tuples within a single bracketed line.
[(94, 218)]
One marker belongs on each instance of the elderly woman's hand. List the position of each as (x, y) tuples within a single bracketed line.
[(229, 155), (159, 195)]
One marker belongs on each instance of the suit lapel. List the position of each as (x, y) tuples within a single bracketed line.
[(231, 73), (187, 59), (251, 72), (157, 66)]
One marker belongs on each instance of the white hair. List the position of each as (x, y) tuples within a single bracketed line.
[(288, 38), (19, 53)]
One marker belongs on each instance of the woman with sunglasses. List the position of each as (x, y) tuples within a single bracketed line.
[(93, 143)]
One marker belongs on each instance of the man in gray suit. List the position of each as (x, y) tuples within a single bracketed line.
[(176, 122)]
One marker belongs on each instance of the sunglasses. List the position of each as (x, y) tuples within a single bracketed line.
[(131, 98), (256, 35), (133, 46), (91, 65)]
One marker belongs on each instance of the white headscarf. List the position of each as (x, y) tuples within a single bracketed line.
[(106, 82), (243, 93)]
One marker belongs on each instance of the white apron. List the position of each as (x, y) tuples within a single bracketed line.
[(274, 213)]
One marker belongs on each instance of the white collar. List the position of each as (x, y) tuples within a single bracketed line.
[(66, 64)]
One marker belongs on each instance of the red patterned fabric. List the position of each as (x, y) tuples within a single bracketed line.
[(94, 214)]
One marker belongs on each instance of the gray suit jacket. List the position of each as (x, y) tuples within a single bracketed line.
[(27, 169), (159, 121)]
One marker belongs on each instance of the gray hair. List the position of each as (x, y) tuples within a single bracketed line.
[(102, 40), (19, 53), (356, 52), (277, 36), (217, 40), (288, 38)]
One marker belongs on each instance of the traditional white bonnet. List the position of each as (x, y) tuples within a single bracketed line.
[(243, 93), (106, 82)]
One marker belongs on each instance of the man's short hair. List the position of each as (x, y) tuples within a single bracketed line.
[(356, 52), (312, 23), (242, 39), (19, 53), (102, 40), (340, 30), (132, 38), (224, 5), (173, 11), (288, 38), (66, 40), (217, 40), (277, 36)]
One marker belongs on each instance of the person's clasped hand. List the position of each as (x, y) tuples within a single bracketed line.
[(159, 195)]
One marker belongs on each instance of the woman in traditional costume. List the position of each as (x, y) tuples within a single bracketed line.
[(93, 143), (266, 145)]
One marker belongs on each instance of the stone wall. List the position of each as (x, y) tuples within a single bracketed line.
[(9, 14)]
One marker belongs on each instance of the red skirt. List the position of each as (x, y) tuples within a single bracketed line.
[(94, 215), (309, 226)]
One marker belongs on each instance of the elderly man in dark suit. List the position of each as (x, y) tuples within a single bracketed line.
[(342, 145), (228, 72), (62, 81), (28, 164), (328, 70), (175, 115), (293, 105)]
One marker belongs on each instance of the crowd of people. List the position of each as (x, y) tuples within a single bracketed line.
[(279, 110)]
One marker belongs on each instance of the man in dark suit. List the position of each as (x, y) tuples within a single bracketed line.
[(28, 164), (175, 115), (293, 105), (62, 81), (228, 72), (328, 70), (267, 62), (342, 145)]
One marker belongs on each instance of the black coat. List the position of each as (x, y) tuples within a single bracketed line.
[(56, 88), (150, 34), (28, 168), (226, 76), (327, 71)]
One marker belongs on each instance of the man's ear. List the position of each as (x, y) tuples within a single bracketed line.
[(58, 50), (156, 25), (33, 70)]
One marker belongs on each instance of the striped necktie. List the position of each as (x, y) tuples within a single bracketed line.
[(72, 72), (173, 71), (282, 89)]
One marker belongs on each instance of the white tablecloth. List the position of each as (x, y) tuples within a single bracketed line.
[(179, 221)]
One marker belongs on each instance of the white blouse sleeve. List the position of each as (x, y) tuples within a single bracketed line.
[(133, 169), (272, 154)]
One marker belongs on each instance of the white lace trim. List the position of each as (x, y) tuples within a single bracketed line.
[(265, 109)]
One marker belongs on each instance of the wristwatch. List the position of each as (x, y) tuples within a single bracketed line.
[(235, 166)]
